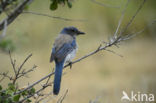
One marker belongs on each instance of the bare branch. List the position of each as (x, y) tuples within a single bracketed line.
[(133, 17), (19, 69), (121, 19), (105, 5), (3, 5), (30, 86), (18, 10), (4, 30), (18, 73), (23, 73), (13, 63), (54, 17), (5, 75), (62, 97), (29, 96), (114, 52), (129, 36)]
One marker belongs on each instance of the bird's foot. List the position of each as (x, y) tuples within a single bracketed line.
[(70, 64)]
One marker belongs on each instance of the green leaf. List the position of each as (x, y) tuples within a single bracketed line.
[(24, 93), (16, 97), (9, 92), (53, 5), (0, 87), (7, 45), (11, 86), (28, 100), (69, 4), (32, 91), (26, 7)]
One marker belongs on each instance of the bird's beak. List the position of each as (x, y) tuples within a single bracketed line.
[(80, 33)]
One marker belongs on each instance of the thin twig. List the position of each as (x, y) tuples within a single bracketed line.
[(114, 52), (4, 30), (121, 19), (5, 75), (19, 69), (105, 5), (29, 96), (54, 17), (17, 11), (23, 73), (62, 97), (13, 63), (133, 17)]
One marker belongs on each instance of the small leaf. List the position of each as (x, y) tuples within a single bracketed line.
[(9, 92), (53, 6), (69, 4), (16, 97), (26, 7), (11, 86), (7, 45), (32, 91), (0, 87), (24, 93), (28, 100)]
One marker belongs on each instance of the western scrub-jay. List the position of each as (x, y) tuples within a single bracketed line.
[(63, 51)]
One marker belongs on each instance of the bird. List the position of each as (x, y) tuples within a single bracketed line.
[(63, 51)]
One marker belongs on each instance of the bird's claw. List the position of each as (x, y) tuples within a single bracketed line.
[(70, 64)]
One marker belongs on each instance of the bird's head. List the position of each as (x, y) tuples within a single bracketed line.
[(73, 31)]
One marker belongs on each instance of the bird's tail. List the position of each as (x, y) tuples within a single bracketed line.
[(57, 77)]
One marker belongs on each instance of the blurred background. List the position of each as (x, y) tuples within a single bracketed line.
[(105, 74)]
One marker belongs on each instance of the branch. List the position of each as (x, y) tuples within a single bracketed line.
[(5, 75), (121, 19), (105, 5), (19, 72), (18, 10), (62, 97), (3, 5), (19, 69), (4, 30), (54, 17), (133, 17), (114, 41), (13, 63)]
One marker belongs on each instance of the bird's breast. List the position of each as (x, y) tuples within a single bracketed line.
[(71, 56)]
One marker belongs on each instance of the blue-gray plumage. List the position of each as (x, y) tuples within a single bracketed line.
[(63, 51)]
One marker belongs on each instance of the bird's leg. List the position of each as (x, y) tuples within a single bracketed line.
[(70, 64)]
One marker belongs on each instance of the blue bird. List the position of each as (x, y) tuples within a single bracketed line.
[(63, 51)]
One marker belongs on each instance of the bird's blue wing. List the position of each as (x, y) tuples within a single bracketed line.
[(52, 55), (63, 51)]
